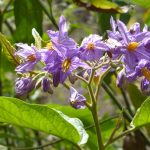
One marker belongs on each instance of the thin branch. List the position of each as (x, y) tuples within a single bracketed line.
[(126, 101), (51, 13), (109, 92), (102, 122), (8, 4), (66, 86), (39, 147), (9, 27), (125, 113), (119, 136), (82, 79), (99, 82), (48, 15)]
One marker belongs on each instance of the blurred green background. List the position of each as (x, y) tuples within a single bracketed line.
[(18, 17)]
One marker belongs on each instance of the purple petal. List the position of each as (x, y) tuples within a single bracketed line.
[(123, 31)]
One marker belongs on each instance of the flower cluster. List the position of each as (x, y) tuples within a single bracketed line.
[(61, 57), (133, 45)]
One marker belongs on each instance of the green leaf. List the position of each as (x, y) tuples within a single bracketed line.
[(37, 38), (42, 118), (108, 5), (142, 116), (145, 3), (28, 15), (82, 114), (8, 49), (136, 96)]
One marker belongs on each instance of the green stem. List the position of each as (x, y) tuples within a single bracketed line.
[(125, 113), (93, 110), (120, 136), (109, 92), (126, 101), (100, 82), (50, 16), (97, 127)]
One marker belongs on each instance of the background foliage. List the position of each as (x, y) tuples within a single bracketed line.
[(17, 18)]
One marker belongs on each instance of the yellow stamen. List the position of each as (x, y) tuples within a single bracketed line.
[(49, 46), (132, 46), (66, 65), (146, 73), (31, 57), (90, 46)]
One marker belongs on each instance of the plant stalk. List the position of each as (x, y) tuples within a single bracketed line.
[(97, 127), (93, 110)]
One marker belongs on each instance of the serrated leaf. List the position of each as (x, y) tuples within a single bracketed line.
[(142, 116), (42, 118), (28, 15), (8, 49)]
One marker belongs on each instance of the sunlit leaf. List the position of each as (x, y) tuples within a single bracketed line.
[(8, 49), (37, 38), (108, 5), (42, 118), (142, 116)]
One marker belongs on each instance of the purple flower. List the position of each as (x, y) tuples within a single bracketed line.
[(76, 100), (30, 56), (114, 34), (92, 48), (23, 86), (62, 67), (132, 44), (60, 38), (141, 70), (48, 53)]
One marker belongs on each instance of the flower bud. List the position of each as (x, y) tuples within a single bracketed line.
[(23, 86), (46, 85)]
